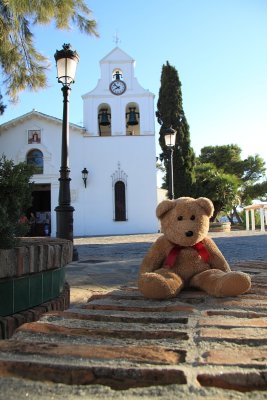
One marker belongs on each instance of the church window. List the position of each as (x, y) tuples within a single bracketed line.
[(119, 185), (120, 204), (35, 158)]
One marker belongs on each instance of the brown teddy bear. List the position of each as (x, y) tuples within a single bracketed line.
[(184, 256)]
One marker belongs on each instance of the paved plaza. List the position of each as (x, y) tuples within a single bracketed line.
[(112, 261), (114, 344)]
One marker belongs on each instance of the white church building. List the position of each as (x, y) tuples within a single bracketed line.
[(116, 146)]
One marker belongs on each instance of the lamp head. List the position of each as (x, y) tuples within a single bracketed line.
[(66, 60), (170, 136)]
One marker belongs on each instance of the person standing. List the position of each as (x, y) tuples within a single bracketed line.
[(32, 221)]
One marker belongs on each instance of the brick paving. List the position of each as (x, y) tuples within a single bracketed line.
[(113, 343)]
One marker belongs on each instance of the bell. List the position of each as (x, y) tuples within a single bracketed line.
[(117, 75), (104, 117), (132, 116)]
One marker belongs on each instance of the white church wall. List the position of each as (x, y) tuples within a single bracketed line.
[(102, 156), (14, 144), (94, 205)]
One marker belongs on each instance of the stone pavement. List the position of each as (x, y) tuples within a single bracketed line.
[(113, 343), (107, 263)]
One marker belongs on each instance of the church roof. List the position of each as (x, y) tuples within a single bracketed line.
[(117, 55), (36, 114)]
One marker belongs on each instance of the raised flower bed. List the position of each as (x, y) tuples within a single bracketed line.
[(33, 274)]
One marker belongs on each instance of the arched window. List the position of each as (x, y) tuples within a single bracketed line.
[(35, 158), (119, 187), (120, 201)]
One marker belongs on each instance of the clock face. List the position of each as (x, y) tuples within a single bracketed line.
[(117, 87)]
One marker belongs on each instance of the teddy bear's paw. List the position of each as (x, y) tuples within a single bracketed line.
[(155, 286), (233, 284)]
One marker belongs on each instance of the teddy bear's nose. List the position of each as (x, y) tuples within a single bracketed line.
[(189, 233)]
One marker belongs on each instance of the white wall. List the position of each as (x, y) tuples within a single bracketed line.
[(94, 204)]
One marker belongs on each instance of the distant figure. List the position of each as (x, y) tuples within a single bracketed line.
[(23, 228), (46, 228), (23, 219), (32, 222)]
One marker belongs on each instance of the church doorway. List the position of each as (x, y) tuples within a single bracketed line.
[(40, 212)]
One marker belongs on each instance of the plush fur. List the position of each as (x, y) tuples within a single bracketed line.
[(185, 222)]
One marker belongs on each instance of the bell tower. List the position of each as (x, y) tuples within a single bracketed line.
[(118, 105), (119, 151)]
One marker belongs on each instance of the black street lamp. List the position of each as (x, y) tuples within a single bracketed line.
[(66, 60), (170, 136)]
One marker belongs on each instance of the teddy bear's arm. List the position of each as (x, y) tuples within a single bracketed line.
[(216, 259), (155, 256)]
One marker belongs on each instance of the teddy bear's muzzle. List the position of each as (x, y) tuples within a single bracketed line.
[(189, 233)]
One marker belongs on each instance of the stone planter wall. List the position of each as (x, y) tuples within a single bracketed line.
[(31, 275), (34, 255), (220, 227)]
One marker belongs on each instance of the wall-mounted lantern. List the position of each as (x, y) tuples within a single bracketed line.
[(84, 176)]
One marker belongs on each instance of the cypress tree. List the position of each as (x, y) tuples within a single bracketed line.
[(170, 113)]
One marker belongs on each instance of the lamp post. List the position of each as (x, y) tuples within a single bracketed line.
[(170, 136), (66, 60)]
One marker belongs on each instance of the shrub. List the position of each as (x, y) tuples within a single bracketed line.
[(15, 198)]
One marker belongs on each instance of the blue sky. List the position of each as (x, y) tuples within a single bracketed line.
[(219, 48)]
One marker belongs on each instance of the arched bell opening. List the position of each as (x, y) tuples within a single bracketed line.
[(132, 117), (117, 74), (104, 120)]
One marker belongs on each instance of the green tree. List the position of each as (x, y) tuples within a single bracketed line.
[(256, 191), (15, 198), (227, 160), (22, 66), (221, 188), (170, 113), (226, 157)]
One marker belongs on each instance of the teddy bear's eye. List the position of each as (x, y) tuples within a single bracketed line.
[(193, 217), (180, 218)]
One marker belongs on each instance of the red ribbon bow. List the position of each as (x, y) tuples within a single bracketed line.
[(200, 247)]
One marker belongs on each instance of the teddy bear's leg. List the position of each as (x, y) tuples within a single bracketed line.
[(220, 284), (162, 284)]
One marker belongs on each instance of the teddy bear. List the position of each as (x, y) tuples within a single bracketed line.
[(184, 256)]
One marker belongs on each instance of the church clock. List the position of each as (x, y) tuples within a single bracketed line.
[(117, 87)]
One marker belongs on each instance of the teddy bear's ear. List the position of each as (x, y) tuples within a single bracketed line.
[(163, 207), (206, 204)]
